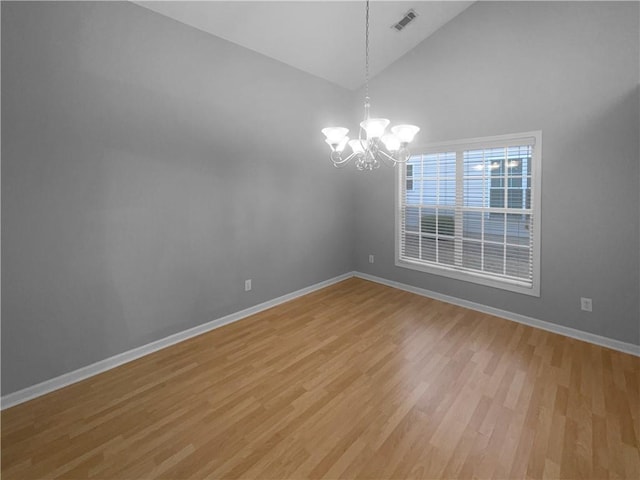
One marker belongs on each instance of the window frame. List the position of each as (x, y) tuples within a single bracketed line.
[(457, 273)]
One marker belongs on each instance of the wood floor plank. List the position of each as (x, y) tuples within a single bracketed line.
[(357, 380)]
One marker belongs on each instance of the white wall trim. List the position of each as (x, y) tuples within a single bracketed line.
[(83, 373), (515, 317)]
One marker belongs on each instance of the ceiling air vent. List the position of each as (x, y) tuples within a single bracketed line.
[(406, 20)]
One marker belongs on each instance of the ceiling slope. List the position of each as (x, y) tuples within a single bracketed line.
[(323, 38)]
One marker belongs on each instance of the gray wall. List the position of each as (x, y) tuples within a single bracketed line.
[(147, 170), (570, 70)]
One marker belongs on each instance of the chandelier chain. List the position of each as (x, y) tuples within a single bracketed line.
[(366, 50)]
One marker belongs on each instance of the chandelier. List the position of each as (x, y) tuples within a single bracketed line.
[(373, 146)]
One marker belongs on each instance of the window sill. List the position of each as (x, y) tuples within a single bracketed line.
[(472, 277)]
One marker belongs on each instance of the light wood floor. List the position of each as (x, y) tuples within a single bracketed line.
[(357, 380)]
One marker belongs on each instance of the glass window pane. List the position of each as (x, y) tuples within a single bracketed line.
[(473, 163), (428, 221), (408, 184), (414, 166), (473, 191), (496, 197), (515, 198), (429, 192), (518, 262), (446, 250), (446, 222), (447, 192), (519, 159), (472, 255), (518, 229), (430, 165), (472, 225), (429, 249), (495, 161), (494, 227), (411, 216), (493, 258), (413, 196), (496, 181), (447, 164), (514, 182), (526, 181), (411, 245)]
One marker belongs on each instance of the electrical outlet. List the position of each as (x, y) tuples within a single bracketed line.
[(247, 285), (585, 304), (371, 258)]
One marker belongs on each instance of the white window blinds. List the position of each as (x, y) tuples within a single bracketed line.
[(470, 210)]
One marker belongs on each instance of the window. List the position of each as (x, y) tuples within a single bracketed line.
[(409, 177), (470, 210)]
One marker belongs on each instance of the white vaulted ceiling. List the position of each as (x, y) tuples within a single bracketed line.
[(323, 38)]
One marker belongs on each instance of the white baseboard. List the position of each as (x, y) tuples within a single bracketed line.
[(83, 373), (516, 317)]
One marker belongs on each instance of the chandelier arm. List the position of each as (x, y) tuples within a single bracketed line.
[(342, 161), (403, 155), (404, 158), (386, 157)]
